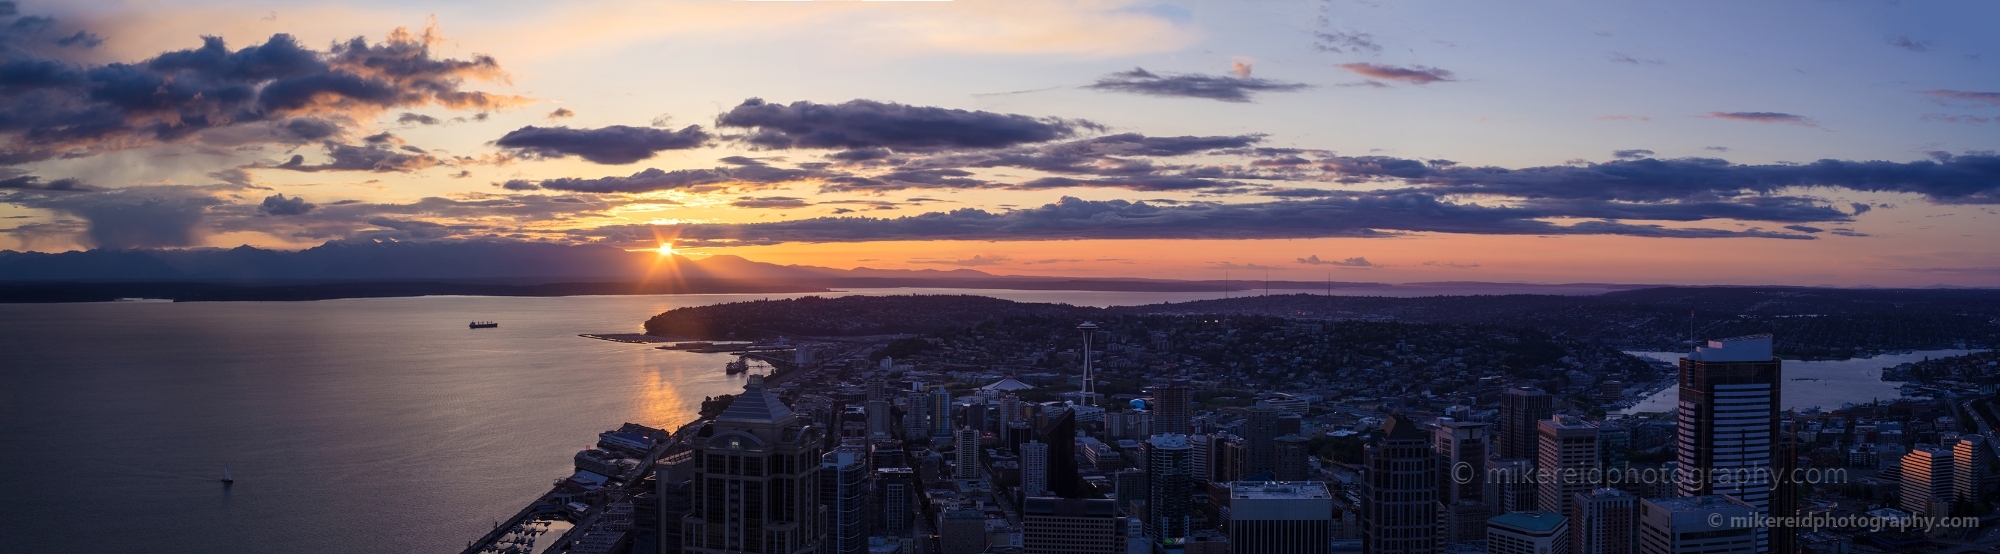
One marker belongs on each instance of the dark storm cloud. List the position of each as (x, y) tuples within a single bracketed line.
[(858, 124), (1189, 85), (131, 217), (278, 204), (1987, 98), (653, 179), (616, 144), (1415, 75), (51, 108), (31, 182), (1360, 215), (1765, 117)]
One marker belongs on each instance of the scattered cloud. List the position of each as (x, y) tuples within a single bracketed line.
[(974, 261), (1617, 117), (380, 157), (770, 202), (1341, 42), (613, 145), (1904, 42), (1350, 262), (1966, 119), (1620, 57), (1765, 117), (1189, 85), (858, 124), (1631, 154), (417, 118), (1965, 96), (562, 113), (1860, 208), (1415, 75), (1805, 228), (651, 179), (1451, 265), (278, 204), (1716, 148)]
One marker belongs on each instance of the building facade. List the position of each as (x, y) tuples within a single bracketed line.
[(1536, 532), (1568, 449), (1280, 518), (756, 480), (1399, 491)]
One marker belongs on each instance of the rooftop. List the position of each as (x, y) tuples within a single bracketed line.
[(1696, 503), (1752, 348), (1277, 490), (756, 405), (1536, 521)]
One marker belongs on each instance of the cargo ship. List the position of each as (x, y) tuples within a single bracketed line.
[(484, 324)]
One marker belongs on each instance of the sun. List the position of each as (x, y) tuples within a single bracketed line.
[(666, 249)]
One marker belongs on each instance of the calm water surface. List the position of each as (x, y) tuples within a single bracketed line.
[(1824, 383)]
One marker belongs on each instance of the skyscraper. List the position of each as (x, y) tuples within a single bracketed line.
[(1292, 457), (962, 531), (1060, 435), (1034, 468), (1603, 521), (940, 412), (1520, 409), (756, 479), (1510, 485), (1461, 450), (1261, 433), (1280, 518), (1536, 532), (1173, 408), (967, 466), (1728, 426), (1927, 482), (846, 490), (1970, 461), (1569, 451), (895, 510), (1170, 480), (1399, 491)]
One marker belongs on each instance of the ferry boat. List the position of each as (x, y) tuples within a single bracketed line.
[(485, 324)]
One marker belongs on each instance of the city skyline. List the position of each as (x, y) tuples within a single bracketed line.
[(1800, 143)]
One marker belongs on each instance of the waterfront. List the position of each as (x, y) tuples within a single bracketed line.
[(1823, 383)]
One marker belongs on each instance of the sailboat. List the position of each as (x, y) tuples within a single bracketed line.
[(226, 478)]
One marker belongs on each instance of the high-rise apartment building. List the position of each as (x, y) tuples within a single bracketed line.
[(1280, 518), (1728, 421), (895, 504), (1707, 524), (1071, 526), (756, 480), (1520, 410), (1035, 468), (1173, 408), (1399, 491), (846, 490), (1971, 461), (1603, 521), (1927, 481), (1536, 532), (1568, 449), (1170, 484)]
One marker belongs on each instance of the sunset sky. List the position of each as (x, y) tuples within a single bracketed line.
[(1809, 142)]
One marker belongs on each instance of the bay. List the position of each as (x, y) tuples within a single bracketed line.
[(1819, 383)]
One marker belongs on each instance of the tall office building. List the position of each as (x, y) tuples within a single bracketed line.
[(1170, 483), (880, 423), (1204, 456), (1510, 485), (1461, 448), (940, 412), (1569, 453), (673, 478), (756, 479), (846, 490), (1520, 410), (1536, 532), (1971, 461), (1399, 491), (1280, 518), (895, 508), (1173, 408), (1261, 432), (1034, 468), (1071, 526), (1060, 434), (1603, 521), (1728, 426), (1292, 458), (1927, 483), (967, 466), (1708, 524)]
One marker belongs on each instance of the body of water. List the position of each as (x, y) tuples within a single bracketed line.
[(1823, 383)]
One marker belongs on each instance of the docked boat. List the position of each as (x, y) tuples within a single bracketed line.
[(485, 324), (735, 367)]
